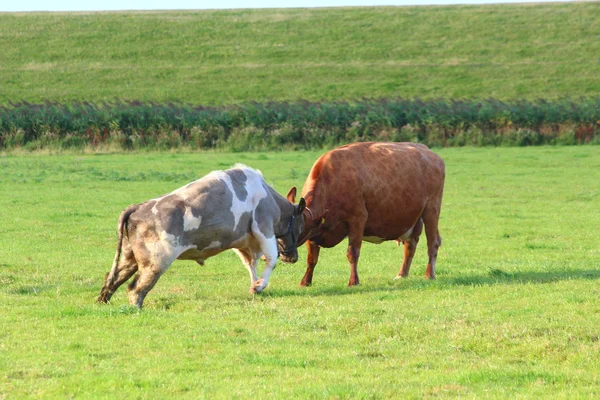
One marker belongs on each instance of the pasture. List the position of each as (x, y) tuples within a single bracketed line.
[(514, 311), (233, 56)]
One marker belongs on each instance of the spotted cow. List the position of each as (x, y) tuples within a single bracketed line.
[(232, 209), (373, 192)]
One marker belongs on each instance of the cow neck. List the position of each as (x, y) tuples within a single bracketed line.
[(313, 204), (286, 209)]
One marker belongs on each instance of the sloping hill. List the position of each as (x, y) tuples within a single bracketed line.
[(221, 57)]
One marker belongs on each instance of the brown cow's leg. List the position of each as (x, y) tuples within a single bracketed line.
[(434, 240), (311, 261), (125, 269), (410, 247), (355, 236), (353, 254)]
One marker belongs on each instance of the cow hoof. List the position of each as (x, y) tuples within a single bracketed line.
[(254, 290), (258, 287)]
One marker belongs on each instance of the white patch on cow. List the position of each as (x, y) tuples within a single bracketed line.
[(254, 188), (165, 250), (406, 235), (247, 168), (158, 199), (189, 221), (237, 206), (268, 247), (378, 240)]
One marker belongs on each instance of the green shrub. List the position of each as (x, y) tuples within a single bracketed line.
[(300, 125)]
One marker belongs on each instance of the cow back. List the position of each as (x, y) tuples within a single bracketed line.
[(392, 182)]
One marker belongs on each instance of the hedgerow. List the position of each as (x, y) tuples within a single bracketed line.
[(300, 124)]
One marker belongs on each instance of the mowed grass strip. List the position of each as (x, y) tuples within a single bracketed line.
[(232, 56), (513, 313)]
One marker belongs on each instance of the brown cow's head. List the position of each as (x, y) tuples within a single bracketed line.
[(287, 243), (312, 222)]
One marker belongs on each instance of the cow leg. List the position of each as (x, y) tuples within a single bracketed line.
[(355, 236), (410, 247), (124, 269), (250, 261), (150, 267), (434, 240), (311, 261), (269, 248), (143, 282)]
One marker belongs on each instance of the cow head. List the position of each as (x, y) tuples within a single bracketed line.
[(287, 242), (312, 223)]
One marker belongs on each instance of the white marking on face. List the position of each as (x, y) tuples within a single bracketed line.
[(189, 221)]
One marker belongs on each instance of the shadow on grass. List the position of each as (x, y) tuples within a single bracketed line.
[(32, 290), (336, 290), (493, 277), (497, 276)]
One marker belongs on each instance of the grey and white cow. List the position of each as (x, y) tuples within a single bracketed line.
[(232, 209)]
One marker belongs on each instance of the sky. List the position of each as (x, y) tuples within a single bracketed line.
[(109, 5)]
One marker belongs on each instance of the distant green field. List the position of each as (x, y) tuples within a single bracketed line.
[(513, 314), (223, 57)]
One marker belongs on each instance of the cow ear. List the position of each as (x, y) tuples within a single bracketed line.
[(291, 196), (301, 206)]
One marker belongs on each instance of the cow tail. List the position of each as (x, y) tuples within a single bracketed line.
[(122, 224)]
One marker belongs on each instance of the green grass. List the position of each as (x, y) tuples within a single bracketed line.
[(514, 311), (224, 57)]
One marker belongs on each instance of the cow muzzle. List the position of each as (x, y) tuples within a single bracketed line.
[(289, 259), (288, 244), (289, 256)]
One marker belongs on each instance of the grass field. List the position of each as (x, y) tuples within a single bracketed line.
[(223, 57), (513, 313)]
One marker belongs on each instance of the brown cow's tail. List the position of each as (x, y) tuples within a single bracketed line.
[(107, 290)]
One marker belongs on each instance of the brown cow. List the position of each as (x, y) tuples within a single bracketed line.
[(373, 192)]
